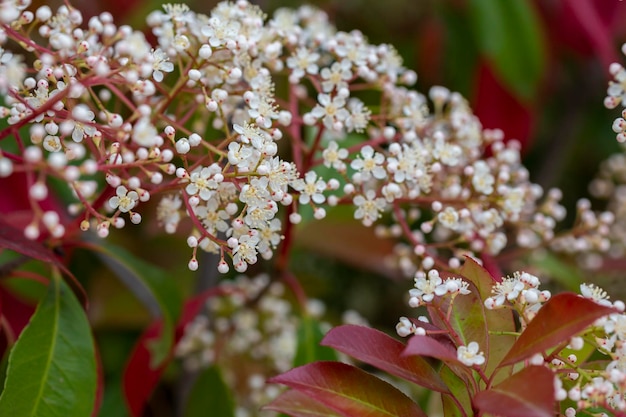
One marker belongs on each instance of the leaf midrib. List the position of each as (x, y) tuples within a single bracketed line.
[(54, 333)]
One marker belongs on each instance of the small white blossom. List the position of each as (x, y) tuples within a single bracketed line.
[(160, 64), (469, 355), (311, 188), (124, 200)]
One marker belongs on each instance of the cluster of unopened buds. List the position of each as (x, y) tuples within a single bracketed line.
[(250, 332), (197, 121)]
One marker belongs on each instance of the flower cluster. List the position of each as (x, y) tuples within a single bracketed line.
[(251, 332), (196, 121), (587, 385)]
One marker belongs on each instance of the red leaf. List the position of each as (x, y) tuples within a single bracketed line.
[(427, 346), (593, 27), (377, 349), (297, 404), (349, 390), (528, 393), (139, 378), (560, 318), (497, 108)]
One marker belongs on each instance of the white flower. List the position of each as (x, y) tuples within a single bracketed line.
[(213, 219), (269, 236), (482, 180), (330, 110), (449, 218), (370, 164), (144, 133), (245, 251), (302, 61), (333, 156), (507, 290), (406, 327), (203, 182), (249, 133), (168, 212), (242, 156), (124, 200), (310, 188), (455, 286), (359, 116), (469, 355), (595, 294), (160, 64), (369, 208), (336, 76), (255, 193), (52, 143), (426, 287), (220, 32), (83, 117)]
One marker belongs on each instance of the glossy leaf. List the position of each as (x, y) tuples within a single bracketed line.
[(560, 318), (154, 288), (297, 404), (427, 346), (509, 34), (309, 349), (349, 390), (384, 352), (498, 321), (210, 392), (459, 389), (467, 317), (52, 367), (528, 393)]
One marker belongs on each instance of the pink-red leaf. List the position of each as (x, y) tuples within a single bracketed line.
[(384, 352), (139, 377), (427, 346), (560, 318), (528, 393), (297, 404), (349, 390)]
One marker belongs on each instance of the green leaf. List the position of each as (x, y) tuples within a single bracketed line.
[(467, 317), (309, 350), (500, 322), (210, 392), (152, 286), (509, 33), (561, 317), (349, 390), (460, 52), (459, 389), (567, 275), (52, 367)]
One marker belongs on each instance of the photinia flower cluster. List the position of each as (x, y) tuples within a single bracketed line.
[(196, 122)]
